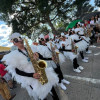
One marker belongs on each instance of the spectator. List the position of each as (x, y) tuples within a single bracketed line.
[(97, 31), (4, 74), (92, 22), (99, 19), (96, 20)]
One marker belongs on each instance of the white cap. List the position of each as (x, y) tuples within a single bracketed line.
[(41, 36), (56, 36), (14, 35), (82, 24), (73, 29), (51, 35), (62, 34), (79, 23)]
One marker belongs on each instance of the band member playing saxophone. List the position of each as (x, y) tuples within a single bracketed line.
[(47, 54), (66, 47), (23, 69)]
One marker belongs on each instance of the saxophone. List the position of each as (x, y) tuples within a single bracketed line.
[(74, 47), (89, 32), (39, 66), (85, 33), (55, 54)]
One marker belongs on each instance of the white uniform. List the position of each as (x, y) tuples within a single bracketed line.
[(82, 45), (16, 59), (68, 46), (47, 53), (92, 22), (81, 33)]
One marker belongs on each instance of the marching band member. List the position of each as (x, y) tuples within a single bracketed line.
[(56, 41), (22, 69), (66, 47), (80, 43), (80, 31), (46, 54)]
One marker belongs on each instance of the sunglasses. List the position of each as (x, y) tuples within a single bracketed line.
[(16, 40), (42, 39)]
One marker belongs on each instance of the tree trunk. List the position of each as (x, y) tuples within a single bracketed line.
[(54, 31)]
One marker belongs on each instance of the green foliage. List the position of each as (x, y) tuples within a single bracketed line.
[(6, 6), (44, 30), (26, 15), (43, 6), (83, 7), (97, 3)]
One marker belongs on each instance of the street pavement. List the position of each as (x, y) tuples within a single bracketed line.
[(86, 85), (83, 86)]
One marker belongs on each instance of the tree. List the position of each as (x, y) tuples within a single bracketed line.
[(82, 7), (97, 3), (26, 14), (5, 8)]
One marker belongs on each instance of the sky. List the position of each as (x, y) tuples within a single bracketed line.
[(5, 31), (2, 22), (92, 2), (4, 35)]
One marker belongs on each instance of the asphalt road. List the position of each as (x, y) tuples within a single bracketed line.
[(83, 86)]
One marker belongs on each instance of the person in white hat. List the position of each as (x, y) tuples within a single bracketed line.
[(66, 47), (80, 32), (41, 36), (21, 68), (80, 43), (46, 54)]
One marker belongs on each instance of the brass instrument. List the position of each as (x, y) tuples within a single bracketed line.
[(2, 49), (85, 33), (99, 27), (4, 91), (55, 54), (74, 47), (39, 66), (89, 32)]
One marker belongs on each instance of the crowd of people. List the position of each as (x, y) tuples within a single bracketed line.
[(94, 25), (53, 51)]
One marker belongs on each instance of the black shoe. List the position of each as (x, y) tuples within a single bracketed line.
[(12, 97), (14, 86), (11, 88)]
